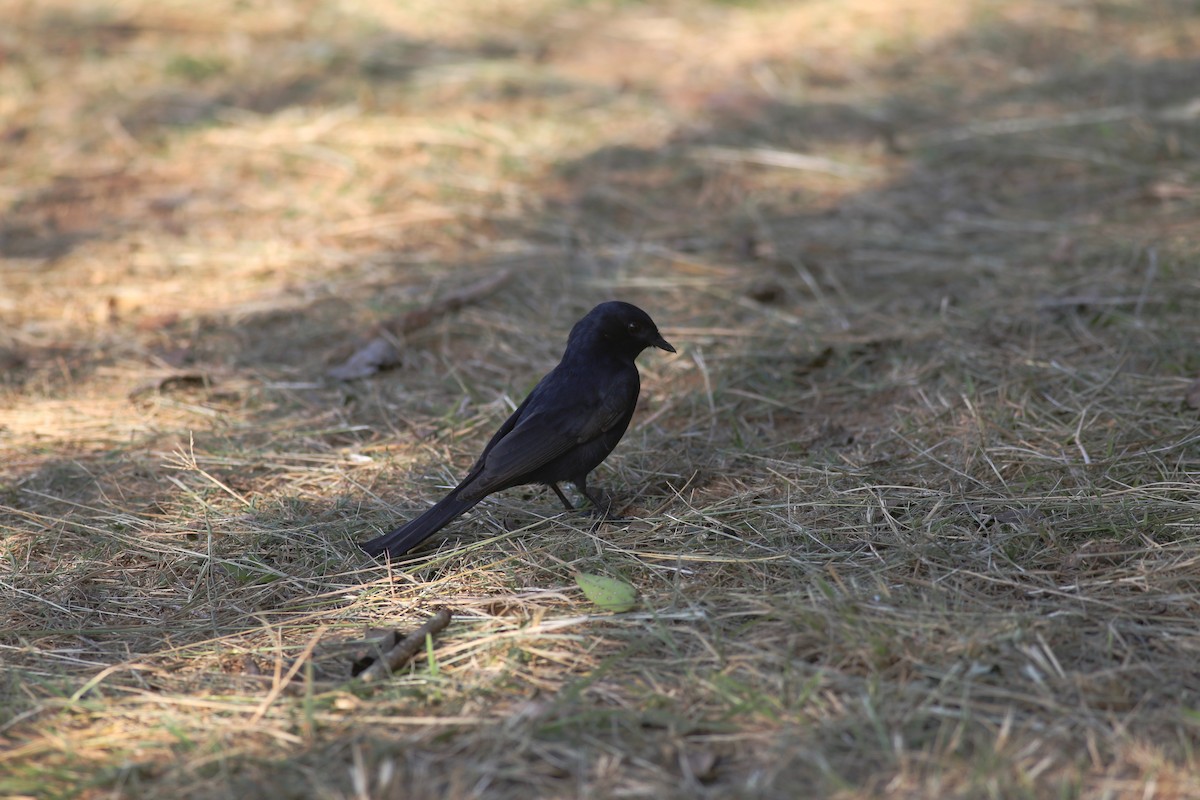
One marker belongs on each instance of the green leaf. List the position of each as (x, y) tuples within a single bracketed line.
[(609, 594)]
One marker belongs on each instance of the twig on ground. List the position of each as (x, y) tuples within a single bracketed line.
[(379, 351), (408, 647)]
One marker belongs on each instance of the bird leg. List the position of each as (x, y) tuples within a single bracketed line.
[(602, 505), (563, 497)]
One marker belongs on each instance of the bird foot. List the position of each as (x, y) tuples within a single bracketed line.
[(603, 509)]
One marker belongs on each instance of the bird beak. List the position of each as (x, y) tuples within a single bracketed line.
[(663, 344)]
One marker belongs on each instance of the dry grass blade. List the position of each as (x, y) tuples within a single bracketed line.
[(281, 683), (782, 159)]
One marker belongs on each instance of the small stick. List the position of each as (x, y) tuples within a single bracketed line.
[(406, 648), (418, 318), (380, 350)]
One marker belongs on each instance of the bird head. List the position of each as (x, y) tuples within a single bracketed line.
[(621, 326)]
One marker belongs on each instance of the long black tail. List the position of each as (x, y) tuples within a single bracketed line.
[(408, 536)]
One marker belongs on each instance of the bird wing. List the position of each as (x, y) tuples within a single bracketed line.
[(501, 432), (550, 426)]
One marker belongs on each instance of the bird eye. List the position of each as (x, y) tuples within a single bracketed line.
[(634, 327)]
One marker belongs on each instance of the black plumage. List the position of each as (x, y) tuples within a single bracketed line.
[(567, 425)]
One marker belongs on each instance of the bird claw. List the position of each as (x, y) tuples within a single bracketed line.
[(602, 510)]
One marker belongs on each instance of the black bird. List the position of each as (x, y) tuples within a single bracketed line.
[(567, 425)]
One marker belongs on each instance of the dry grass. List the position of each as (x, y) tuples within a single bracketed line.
[(914, 513)]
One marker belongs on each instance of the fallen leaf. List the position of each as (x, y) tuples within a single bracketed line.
[(702, 764), (373, 356), (609, 594), (379, 352), (1192, 398)]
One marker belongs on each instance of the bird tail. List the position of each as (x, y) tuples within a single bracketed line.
[(408, 536)]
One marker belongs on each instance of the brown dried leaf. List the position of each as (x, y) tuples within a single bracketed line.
[(380, 353), (1192, 396), (701, 764), (377, 354)]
